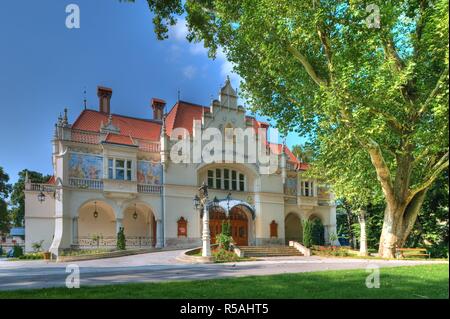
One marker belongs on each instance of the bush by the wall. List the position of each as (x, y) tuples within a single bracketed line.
[(121, 243), (17, 251), (307, 234)]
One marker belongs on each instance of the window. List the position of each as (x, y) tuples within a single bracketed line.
[(211, 179), (218, 178), (241, 182), (226, 179), (110, 168), (233, 180), (119, 169), (307, 188)]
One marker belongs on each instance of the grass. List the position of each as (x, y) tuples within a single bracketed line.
[(425, 281)]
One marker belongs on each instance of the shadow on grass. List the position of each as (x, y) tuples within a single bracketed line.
[(428, 281)]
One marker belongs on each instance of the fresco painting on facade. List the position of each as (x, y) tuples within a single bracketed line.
[(149, 173), (85, 166), (290, 188)]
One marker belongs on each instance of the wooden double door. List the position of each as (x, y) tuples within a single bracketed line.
[(238, 222)]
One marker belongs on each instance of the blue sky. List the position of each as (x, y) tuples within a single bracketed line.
[(45, 67)]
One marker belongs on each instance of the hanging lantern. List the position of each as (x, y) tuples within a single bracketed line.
[(95, 210)]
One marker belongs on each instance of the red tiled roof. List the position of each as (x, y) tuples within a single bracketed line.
[(119, 139), (183, 115), (277, 149), (90, 120), (52, 180)]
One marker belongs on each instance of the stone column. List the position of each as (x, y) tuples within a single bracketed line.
[(159, 234), (75, 230), (206, 238)]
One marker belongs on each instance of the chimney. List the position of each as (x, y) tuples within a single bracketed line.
[(158, 108), (104, 99)]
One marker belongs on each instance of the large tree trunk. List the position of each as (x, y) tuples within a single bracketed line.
[(397, 225), (363, 236)]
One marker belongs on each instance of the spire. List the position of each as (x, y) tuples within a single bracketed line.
[(65, 119), (84, 98)]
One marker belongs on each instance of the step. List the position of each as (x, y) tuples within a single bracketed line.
[(269, 251)]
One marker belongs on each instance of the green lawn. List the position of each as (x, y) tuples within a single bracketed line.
[(428, 281)]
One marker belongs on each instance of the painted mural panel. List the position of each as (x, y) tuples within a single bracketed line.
[(291, 186), (85, 166), (149, 173)]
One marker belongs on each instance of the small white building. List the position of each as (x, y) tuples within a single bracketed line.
[(113, 171)]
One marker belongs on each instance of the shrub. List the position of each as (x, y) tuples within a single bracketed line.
[(224, 239), (223, 255), (37, 246), (121, 243), (17, 251), (1, 250), (307, 234), (32, 256)]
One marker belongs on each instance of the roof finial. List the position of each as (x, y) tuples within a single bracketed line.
[(65, 119), (178, 95), (84, 98)]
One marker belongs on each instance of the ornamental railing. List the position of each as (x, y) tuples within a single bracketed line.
[(111, 242), (85, 183), (145, 188), (39, 187)]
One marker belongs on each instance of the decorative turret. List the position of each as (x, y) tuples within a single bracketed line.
[(228, 96), (164, 144)]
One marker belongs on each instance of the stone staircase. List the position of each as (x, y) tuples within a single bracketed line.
[(269, 251)]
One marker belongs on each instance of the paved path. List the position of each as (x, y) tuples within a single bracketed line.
[(163, 266)]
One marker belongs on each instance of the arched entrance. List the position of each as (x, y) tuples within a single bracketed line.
[(293, 229), (318, 231), (95, 225), (139, 225), (238, 222)]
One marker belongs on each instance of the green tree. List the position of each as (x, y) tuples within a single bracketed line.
[(5, 189), (18, 194), (305, 152), (307, 233), (328, 70)]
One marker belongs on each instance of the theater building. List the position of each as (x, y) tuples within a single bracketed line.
[(113, 171)]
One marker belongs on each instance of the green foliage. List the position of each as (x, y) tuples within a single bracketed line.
[(121, 241), (373, 100), (307, 234), (18, 195), (5, 189), (32, 256), (331, 251), (317, 232), (224, 239), (17, 251), (1, 250), (305, 152), (37, 246), (223, 255)]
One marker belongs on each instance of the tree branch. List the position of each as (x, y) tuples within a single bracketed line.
[(440, 81), (382, 170), (308, 67), (441, 165)]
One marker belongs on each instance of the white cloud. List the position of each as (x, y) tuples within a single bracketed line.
[(179, 32), (189, 72)]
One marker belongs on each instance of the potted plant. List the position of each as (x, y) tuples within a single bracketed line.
[(47, 255)]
